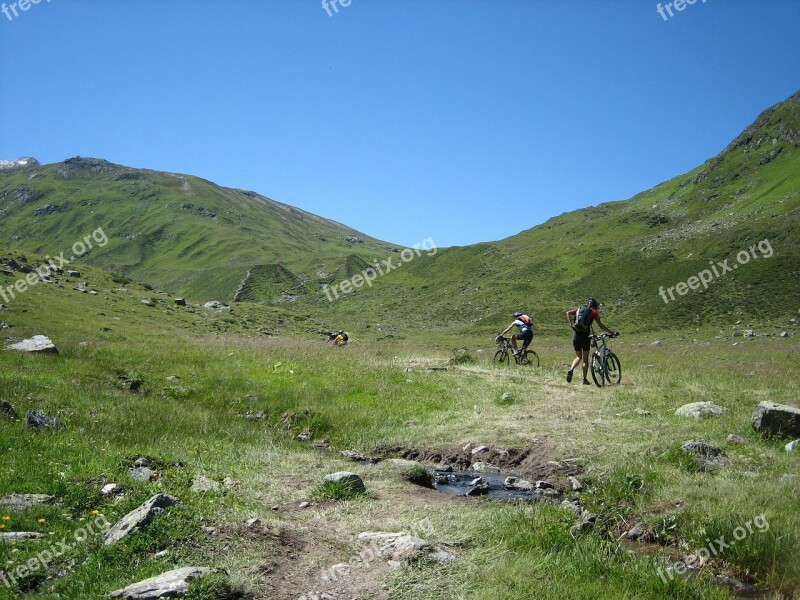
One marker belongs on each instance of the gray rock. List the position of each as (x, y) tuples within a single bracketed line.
[(20, 536), (699, 410), (771, 418), (142, 473), (353, 481), (706, 457), (304, 505), (749, 333), (110, 489), (172, 584), (36, 419), (784, 334), (141, 462), (520, 485), (737, 588), (138, 518), (201, 485), (478, 487), (478, 450), (353, 455), (544, 485), (172, 379), (7, 410), (216, 305), (37, 344), (22, 502), (508, 396), (577, 486), (734, 439), (484, 467), (637, 532), (792, 446), (148, 301), (180, 301), (73, 273), (4, 326)]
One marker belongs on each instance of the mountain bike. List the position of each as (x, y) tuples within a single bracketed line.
[(605, 365), (506, 351)]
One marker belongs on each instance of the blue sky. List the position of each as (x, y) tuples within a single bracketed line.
[(463, 120)]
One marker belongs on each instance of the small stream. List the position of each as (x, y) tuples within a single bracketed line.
[(489, 485)]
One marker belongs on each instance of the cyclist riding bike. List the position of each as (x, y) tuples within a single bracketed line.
[(341, 338), (525, 325)]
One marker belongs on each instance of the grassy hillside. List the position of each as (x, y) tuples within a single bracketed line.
[(237, 399), (181, 233)]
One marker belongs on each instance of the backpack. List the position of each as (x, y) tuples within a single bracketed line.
[(527, 320), (583, 318)]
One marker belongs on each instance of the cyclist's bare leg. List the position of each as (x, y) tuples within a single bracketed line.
[(585, 363), (514, 342), (578, 357)]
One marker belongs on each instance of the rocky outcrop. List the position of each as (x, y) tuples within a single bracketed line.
[(36, 344), (780, 420), (172, 584), (138, 518)]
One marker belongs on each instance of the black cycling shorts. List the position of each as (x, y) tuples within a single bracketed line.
[(580, 341), (526, 335)]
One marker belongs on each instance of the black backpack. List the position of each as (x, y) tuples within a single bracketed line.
[(583, 319)]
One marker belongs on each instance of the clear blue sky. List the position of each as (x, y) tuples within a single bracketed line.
[(464, 120)]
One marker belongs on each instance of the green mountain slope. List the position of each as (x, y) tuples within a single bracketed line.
[(179, 232), (192, 237)]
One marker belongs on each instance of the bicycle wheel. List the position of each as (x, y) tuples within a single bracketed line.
[(501, 357), (598, 373), (613, 369), (531, 359)]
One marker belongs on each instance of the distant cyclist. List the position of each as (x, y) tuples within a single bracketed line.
[(581, 319), (525, 325), (341, 338)]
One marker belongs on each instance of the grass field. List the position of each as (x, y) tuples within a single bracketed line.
[(370, 397)]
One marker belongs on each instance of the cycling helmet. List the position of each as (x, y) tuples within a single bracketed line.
[(517, 315), (592, 303)]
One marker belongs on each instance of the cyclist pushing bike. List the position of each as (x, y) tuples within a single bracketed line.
[(580, 320), (525, 325)]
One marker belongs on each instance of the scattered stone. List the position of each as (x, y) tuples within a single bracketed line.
[(699, 410), (138, 518), (141, 462), (572, 505), (36, 419), (585, 524), (142, 474), (110, 489), (7, 410), (479, 449), (230, 483), (4, 326), (520, 485), (180, 302), (737, 588), (656, 343), (638, 533), (706, 457), (216, 305), (792, 446), (484, 467), (353, 455), (172, 379), (148, 301), (734, 439), (642, 412), (81, 288), (577, 486), (749, 333), (20, 536), (276, 507), (303, 505), (254, 522), (171, 584), (73, 273), (784, 334), (304, 436), (22, 502), (478, 487), (430, 370), (36, 344), (771, 418), (544, 485), (353, 481), (202, 485), (210, 530), (162, 554), (508, 396)]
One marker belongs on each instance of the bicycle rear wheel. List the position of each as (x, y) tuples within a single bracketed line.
[(501, 357), (531, 359), (598, 372), (613, 369)]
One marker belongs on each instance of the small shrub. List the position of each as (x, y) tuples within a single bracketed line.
[(419, 475), (335, 490)]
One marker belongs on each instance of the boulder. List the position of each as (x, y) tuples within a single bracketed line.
[(172, 584), (36, 344), (36, 419), (180, 301), (138, 518), (706, 457), (734, 439), (202, 485), (699, 410), (22, 502), (484, 467), (7, 410), (216, 305), (20, 536), (792, 446), (781, 420), (353, 481)]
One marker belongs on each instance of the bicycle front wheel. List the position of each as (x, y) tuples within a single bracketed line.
[(531, 359), (598, 370), (501, 357), (613, 369)]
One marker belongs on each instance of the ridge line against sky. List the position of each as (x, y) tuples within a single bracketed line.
[(464, 121)]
